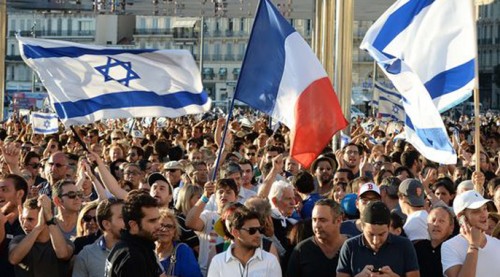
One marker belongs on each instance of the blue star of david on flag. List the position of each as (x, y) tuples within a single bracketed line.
[(105, 71), (46, 124), (395, 109)]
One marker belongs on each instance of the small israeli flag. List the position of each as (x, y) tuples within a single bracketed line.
[(44, 123)]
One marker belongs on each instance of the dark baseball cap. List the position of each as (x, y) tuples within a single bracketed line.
[(414, 192), (156, 176), (376, 213)]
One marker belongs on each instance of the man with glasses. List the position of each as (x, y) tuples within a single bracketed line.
[(133, 173), (135, 154), (318, 255), (133, 255), (68, 201), (244, 257), (173, 172), (351, 158), (368, 192), (43, 250), (32, 163), (57, 169), (91, 261)]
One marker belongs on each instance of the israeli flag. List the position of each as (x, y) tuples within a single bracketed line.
[(88, 83), (427, 49), (390, 104), (44, 123)]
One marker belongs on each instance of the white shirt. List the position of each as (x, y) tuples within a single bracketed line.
[(416, 226), (208, 240), (454, 252), (261, 264)]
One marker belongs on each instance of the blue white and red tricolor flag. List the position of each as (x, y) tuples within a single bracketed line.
[(282, 77), (87, 83)]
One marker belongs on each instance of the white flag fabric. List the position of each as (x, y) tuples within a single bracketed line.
[(427, 49), (44, 123), (390, 104), (87, 83)]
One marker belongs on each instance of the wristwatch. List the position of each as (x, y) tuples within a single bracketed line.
[(51, 221)]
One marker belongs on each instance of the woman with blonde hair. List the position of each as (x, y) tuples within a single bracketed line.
[(187, 196), (87, 230), (176, 257)]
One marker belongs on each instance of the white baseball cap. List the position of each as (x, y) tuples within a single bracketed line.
[(368, 187), (468, 200)]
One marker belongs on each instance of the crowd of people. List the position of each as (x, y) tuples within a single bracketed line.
[(172, 197)]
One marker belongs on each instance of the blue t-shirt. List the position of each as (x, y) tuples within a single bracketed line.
[(308, 205), (186, 264)]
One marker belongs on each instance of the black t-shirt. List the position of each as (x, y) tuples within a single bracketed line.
[(429, 259), (307, 259), (11, 230)]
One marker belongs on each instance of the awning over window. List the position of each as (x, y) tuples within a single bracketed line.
[(222, 71), (208, 71), (184, 22)]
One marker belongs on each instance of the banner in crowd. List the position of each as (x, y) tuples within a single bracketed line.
[(282, 77), (44, 123), (427, 49), (87, 83)]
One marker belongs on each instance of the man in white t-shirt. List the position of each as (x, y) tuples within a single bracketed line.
[(472, 252), (412, 200), (202, 221)]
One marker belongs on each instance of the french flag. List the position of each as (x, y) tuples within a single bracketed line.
[(282, 77)]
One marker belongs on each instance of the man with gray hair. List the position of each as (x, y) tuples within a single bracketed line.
[(282, 200)]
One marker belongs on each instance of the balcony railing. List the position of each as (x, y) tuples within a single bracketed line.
[(60, 33), (144, 31)]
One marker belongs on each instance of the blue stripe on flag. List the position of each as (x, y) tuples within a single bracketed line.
[(387, 115), (395, 94), (45, 131), (398, 21), (129, 99), (451, 79), (264, 61), (434, 138), (52, 116), (38, 52)]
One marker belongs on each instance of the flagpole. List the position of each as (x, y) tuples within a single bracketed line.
[(477, 123), (343, 58), (3, 42), (374, 79)]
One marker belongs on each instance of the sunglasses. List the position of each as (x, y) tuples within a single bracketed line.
[(88, 218), (115, 138), (251, 154), (253, 230), (58, 165), (35, 166), (165, 227), (73, 194)]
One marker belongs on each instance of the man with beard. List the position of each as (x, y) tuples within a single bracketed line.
[(323, 168), (134, 254), (377, 252), (13, 192), (350, 157), (91, 261), (244, 257), (318, 255), (440, 226)]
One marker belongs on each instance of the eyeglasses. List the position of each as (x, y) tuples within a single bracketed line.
[(35, 166), (352, 152), (115, 138), (88, 218), (165, 227), (251, 154), (73, 194), (58, 165), (253, 230), (131, 172)]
